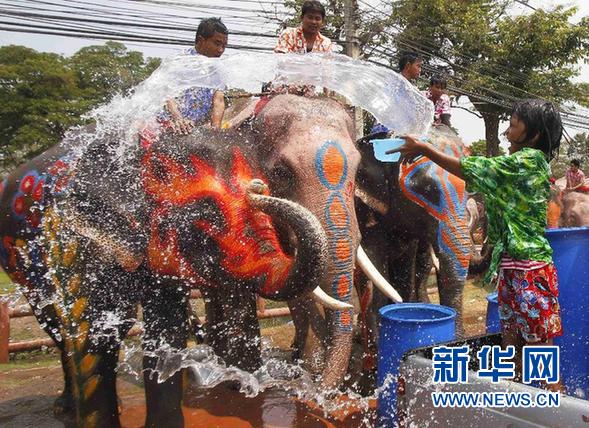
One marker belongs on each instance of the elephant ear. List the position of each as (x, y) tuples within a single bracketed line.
[(106, 205)]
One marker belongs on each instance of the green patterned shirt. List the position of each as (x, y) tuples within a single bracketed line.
[(516, 189)]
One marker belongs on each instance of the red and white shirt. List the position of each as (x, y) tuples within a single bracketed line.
[(574, 178), (443, 105), (292, 40)]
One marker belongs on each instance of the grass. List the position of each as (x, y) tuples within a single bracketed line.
[(31, 360), (6, 284)]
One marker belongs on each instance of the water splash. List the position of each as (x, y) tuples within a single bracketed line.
[(392, 99)]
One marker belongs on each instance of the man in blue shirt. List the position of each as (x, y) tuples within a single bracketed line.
[(200, 106)]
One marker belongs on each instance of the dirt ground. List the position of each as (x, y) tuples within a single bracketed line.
[(30, 383)]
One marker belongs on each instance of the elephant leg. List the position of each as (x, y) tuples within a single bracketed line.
[(65, 404), (403, 271), (423, 267), (233, 329), (165, 321), (310, 329), (450, 289)]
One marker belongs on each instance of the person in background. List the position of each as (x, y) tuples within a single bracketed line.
[(575, 176), (410, 66), (306, 37), (516, 189), (436, 93), (200, 106)]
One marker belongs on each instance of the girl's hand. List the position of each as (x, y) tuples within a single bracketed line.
[(412, 148)]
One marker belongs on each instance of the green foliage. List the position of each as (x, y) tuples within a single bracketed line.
[(479, 148), (576, 148), (103, 71), (44, 94), (513, 56)]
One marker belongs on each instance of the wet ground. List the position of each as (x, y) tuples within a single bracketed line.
[(30, 405), (29, 385)]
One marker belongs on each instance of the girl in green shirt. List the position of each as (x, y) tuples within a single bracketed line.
[(516, 189)]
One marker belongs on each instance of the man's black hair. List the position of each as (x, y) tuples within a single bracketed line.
[(208, 27), (312, 6), (408, 58), (543, 119), (438, 80), (576, 162)]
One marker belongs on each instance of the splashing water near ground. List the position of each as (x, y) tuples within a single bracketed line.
[(278, 384)]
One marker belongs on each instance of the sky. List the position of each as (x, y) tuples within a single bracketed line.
[(470, 127)]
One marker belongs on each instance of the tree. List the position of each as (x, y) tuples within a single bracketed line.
[(479, 148), (497, 58), (109, 69), (40, 101), (45, 94), (578, 147)]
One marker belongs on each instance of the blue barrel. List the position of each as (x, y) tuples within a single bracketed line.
[(493, 323), (571, 257), (403, 327)]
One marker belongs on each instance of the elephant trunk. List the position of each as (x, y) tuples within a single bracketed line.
[(310, 266)]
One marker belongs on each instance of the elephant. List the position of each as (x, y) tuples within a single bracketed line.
[(411, 216), (575, 212), (90, 235), (567, 209)]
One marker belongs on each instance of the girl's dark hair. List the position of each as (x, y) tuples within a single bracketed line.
[(312, 6), (438, 80), (576, 162), (543, 119), (208, 27)]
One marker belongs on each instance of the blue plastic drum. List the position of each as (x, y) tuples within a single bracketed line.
[(571, 257), (403, 327), (493, 322)]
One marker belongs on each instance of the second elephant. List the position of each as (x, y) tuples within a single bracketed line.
[(411, 216)]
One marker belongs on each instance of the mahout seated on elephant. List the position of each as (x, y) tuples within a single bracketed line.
[(90, 235), (409, 216)]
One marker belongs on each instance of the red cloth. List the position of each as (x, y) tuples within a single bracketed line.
[(528, 302)]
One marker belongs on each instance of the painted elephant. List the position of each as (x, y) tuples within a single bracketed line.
[(575, 211), (91, 237), (410, 217), (567, 209)]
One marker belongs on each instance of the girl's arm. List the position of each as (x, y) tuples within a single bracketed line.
[(413, 147)]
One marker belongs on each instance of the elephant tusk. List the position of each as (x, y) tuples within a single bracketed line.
[(435, 259), (377, 279), (329, 302)]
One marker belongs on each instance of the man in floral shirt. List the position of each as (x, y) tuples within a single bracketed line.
[(307, 37)]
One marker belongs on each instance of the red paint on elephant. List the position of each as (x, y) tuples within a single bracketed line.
[(248, 242)]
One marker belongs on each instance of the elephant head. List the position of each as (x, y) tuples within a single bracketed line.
[(308, 154)]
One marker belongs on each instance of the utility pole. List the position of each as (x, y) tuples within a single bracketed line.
[(352, 49)]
